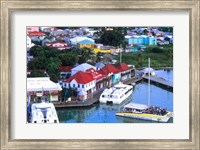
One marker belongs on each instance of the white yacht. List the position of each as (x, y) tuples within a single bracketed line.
[(116, 94), (43, 113)]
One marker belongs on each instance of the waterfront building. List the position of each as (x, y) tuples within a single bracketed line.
[(81, 81), (36, 87), (112, 73), (100, 78), (126, 71)]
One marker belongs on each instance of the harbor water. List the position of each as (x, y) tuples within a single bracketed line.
[(103, 113)]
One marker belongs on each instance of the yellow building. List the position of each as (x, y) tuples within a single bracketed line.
[(86, 43), (96, 50)]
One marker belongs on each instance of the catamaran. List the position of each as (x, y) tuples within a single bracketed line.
[(145, 112), (43, 112), (116, 94)]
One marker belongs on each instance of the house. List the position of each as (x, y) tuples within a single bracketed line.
[(58, 45), (126, 71), (85, 43), (112, 73), (82, 67), (77, 39), (100, 78), (36, 36), (99, 65), (42, 86), (32, 29), (81, 81), (65, 71), (139, 40), (29, 43)]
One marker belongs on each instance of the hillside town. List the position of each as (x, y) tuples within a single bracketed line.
[(71, 66)]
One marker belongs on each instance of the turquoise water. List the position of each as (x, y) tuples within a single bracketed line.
[(102, 113)]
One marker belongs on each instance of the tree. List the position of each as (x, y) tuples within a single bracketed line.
[(37, 73), (52, 68), (85, 55), (167, 39), (68, 59), (113, 38)]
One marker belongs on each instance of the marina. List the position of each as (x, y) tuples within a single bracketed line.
[(103, 113)]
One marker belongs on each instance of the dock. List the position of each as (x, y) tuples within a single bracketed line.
[(94, 98), (160, 81)]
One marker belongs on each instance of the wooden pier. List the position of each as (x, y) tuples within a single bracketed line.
[(160, 81)]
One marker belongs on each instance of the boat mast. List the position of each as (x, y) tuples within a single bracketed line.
[(120, 54), (149, 83)]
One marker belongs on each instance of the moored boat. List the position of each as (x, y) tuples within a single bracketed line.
[(144, 112), (116, 94), (43, 112)]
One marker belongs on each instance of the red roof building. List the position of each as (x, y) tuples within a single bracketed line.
[(81, 78), (35, 33), (96, 76), (123, 67), (59, 45), (65, 68), (108, 69)]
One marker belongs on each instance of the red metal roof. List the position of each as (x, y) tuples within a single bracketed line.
[(96, 76), (35, 33), (108, 68), (81, 78), (66, 68), (123, 67)]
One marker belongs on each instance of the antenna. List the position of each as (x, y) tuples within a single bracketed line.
[(149, 83)]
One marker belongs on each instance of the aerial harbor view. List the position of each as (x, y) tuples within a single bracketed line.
[(99, 74)]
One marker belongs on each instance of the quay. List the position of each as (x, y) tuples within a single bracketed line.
[(78, 103), (160, 81)]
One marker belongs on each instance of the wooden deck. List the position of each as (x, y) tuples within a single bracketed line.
[(159, 81)]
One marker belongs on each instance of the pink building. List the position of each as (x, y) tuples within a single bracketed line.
[(32, 29)]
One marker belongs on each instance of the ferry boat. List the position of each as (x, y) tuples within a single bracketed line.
[(43, 112), (144, 112), (116, 94)]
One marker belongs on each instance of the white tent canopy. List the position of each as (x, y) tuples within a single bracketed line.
[(42, 84), (147, 70)]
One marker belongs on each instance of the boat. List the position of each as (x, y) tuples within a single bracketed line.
[(145, 112), (116, 94), (43, 112)]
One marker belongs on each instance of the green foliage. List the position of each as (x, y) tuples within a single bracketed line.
[(113, 38), (159, 59), (37, 73), (68, 59)]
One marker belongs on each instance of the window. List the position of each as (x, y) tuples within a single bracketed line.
[(82, 86), (74, 85), (78, 85)]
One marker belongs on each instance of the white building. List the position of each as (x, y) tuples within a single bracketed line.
[(83, 67), (81, 81), (43, 85)]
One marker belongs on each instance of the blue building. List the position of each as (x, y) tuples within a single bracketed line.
[(143, 39)]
